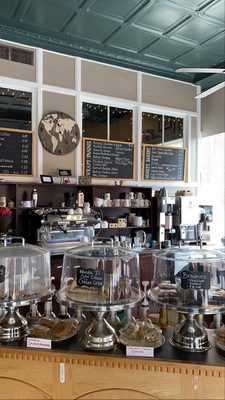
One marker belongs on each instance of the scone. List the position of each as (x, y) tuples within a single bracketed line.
[(48, 322), (40, 331), (61, 329)]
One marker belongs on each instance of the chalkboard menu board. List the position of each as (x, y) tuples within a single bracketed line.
[(163, 163), (107, 159), (16, 150)]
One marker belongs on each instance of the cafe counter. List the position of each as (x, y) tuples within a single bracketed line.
[(68, 371)]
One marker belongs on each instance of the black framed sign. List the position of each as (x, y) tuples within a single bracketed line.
[(16, 152), (104, 159), (163, 163), (46, 179)]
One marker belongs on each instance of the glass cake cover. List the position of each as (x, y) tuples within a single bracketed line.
[(189, 279), (25, 271), (101, 274)]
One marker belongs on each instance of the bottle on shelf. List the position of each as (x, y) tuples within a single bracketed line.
[(34, 197), (33, 314)]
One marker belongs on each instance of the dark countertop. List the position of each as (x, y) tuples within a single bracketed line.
[(164, 353)]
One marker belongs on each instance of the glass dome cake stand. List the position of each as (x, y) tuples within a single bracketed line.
[(25, 278), (100, 279), (13, 326), (189, 281)]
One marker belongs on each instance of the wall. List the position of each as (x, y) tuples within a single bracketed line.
[(61, 83), (213, 113)]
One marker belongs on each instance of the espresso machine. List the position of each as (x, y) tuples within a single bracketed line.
[(59, 231), (186, 220)]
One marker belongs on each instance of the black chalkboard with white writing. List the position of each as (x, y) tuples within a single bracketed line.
[(163, 163), (90, 277), (107, 159), (16, 152)]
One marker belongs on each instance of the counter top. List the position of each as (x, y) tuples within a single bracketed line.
[(166, 352), (70, 372)]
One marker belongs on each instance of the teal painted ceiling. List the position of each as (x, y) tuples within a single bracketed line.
[(154, 36)]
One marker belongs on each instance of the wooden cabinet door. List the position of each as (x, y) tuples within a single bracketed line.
[(13, 389)]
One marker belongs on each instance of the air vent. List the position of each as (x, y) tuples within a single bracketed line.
[(4, 52), (16, 54)]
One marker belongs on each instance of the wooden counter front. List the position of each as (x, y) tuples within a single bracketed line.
[(65, 373)]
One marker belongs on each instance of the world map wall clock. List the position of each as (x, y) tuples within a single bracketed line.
[(58, 133)]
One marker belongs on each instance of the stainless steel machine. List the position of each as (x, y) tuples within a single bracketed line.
[(176, 219), (186, 219), (60, 231)]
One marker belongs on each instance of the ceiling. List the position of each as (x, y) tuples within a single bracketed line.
[(154, 36)]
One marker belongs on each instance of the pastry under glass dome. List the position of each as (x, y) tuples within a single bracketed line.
[(189, 280), (101, 275), (25, 278), (100, 278)]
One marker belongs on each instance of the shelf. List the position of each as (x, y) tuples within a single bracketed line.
[(114, 208), (126, 227)]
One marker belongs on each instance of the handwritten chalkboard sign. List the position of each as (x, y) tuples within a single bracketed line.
[(107, 159), (195, 280), (90, 277), (163, 163), (16, 152)]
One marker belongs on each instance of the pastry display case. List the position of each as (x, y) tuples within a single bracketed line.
[(100, 278), (25, 278), (189, 280)]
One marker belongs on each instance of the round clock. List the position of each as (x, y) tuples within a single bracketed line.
[(58, 133)]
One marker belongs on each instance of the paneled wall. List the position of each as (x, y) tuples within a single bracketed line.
[(213, 113), (60, 83)]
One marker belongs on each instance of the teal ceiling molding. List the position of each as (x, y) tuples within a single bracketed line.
[(153, 36)]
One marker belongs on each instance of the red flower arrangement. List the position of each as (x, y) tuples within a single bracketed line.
[(5, 211)]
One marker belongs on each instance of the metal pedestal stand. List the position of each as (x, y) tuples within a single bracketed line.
[(190, 336), (13, 326), (99, 335)]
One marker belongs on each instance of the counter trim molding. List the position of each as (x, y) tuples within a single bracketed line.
[(115, 362)]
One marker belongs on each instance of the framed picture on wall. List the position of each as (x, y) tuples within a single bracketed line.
[(46, 179)]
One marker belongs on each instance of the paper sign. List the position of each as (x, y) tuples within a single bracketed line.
[(39, 343), (138, 351)]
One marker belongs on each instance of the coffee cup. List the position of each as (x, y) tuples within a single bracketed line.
[(132, 196), (70, 211), (86, 210), (140, 195), (127, 203), (104, 203), (79, 211), (140, 202), (116, 203), (147, 203), (98, 201), (106, 196), (109, 203)]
